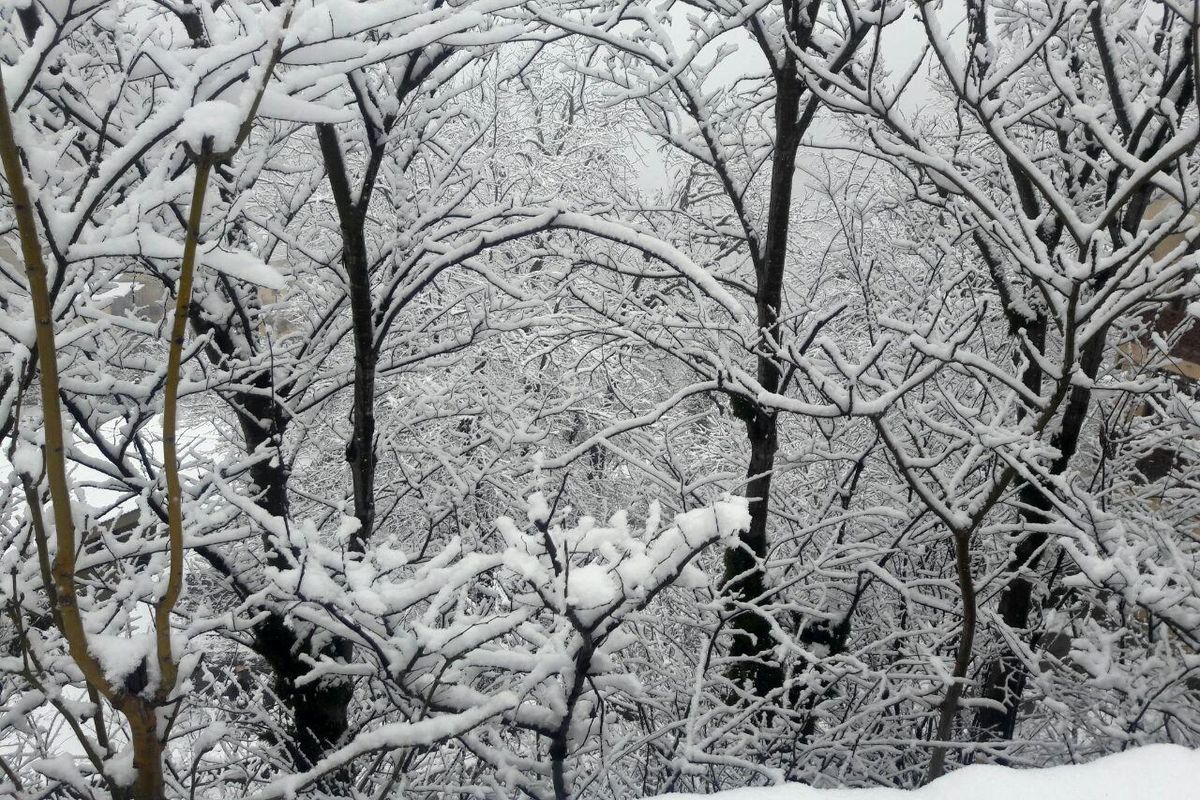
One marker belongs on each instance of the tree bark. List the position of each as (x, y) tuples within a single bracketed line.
[(319, 711), (360, 454), (745, 578), (1005, 678), (147, 750), (745, 574), (360, 451), (962, 658)]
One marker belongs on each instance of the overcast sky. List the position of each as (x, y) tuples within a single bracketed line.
[(901, 45)]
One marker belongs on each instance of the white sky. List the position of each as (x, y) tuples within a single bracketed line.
[(901, 44)]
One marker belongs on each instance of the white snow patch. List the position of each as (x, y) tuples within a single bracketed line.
[(1160, 771), (277, 105), (590, 586), (539, 509), (245, 267), (27, 459), (118, 655), (219, 120)]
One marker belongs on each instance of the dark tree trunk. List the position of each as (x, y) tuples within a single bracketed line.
[(319, 710), (1005, 678), (745, 576), (360, 450), (745, 572)]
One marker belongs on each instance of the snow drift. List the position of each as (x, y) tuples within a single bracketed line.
[(1155, 772)]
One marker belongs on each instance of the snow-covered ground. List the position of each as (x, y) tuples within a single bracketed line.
[(1155, 772)]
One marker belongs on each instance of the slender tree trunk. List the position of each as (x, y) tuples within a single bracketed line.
[(360, 451), (745, 576), (319, 711), (61, 590), (360, 454), (745, 572), (962, 658), (147, 750), (1005, 678)]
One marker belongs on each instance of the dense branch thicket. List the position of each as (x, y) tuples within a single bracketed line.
[(593, 399)]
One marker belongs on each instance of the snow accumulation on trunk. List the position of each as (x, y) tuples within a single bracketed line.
[(1154, 772)]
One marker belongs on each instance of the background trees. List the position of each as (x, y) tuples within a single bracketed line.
[(472, 263), (1074, 205)]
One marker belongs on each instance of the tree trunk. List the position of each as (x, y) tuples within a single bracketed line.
[(745, 576), (745, 572), (319, 711), (1004, 679), (360, 453), (962, 658), (147, 750)]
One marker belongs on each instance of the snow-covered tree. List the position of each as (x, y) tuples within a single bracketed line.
[(887, 344)]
